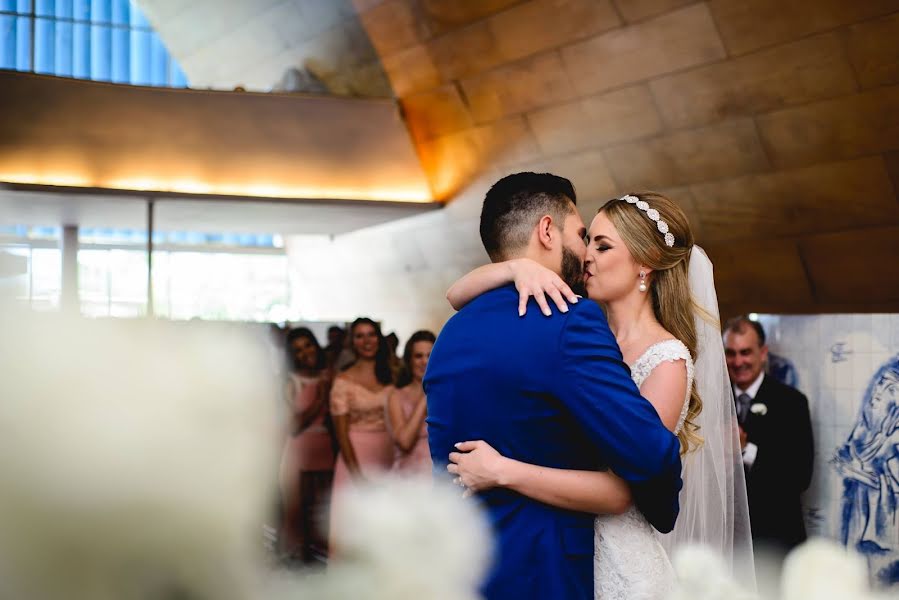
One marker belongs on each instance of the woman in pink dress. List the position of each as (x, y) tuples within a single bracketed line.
[(358, 398), (307, 461), (407, 408)]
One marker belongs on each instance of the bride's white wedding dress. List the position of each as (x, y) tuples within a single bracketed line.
[(629, 562)]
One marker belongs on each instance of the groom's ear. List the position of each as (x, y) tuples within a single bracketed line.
[(547, 232)]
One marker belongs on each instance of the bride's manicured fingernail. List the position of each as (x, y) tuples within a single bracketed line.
[(457, 444)]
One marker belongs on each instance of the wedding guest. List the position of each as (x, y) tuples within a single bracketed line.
[(307, 460), (358, 398), (776, 437), (338, 354), (396, 365), (407, 408)]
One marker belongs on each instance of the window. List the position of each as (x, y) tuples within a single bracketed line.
[(102, 40), (232, 277)]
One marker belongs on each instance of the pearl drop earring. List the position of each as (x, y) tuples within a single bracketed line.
[(642, 287)]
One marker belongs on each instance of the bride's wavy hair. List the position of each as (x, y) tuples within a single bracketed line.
[(668, 283)]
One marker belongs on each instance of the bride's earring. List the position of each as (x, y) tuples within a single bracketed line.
[(642, 287)]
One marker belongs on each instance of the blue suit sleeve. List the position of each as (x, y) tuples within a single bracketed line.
[(624, 427)]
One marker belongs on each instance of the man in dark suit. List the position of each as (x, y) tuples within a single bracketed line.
[(776, 436), (551, 391)]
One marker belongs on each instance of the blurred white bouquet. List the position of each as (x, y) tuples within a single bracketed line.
[(138, 463), (820, 569)]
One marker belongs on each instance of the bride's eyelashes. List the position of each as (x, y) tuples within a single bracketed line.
[(603, 248)]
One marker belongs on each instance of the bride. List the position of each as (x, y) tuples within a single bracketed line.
[(657, 289)]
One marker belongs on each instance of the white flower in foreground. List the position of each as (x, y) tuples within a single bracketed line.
[(702, 575), (136, 458), (822, 569), (408, 538)]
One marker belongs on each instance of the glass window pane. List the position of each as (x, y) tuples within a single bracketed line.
[(64, 49), (44, 46), (159, 62), (162, 306), (8, 48), (23, 43), (14, 277), (179, 79), (121, 55), (128, 283), (64, 9), (81, 50), (137, 17), (45, 8), (22, 6), (93, 282), (46, 268), (121, 12), (81, 10), (101, 53), (101, 11), (141, 45)]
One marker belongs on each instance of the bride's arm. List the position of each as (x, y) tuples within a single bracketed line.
[(480, 467), (530, 279), (665, 388)]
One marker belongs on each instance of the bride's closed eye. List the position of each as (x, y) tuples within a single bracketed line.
[(603, 248)]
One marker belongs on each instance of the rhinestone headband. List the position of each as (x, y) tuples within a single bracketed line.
[(653, 215)]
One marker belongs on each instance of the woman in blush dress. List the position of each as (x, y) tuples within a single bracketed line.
[(358, 398), (307, 461), (407, 408)]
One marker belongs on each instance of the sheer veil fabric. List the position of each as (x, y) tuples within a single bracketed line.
[(713, 501)]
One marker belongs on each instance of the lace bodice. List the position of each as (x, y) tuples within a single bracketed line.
[(629, 563), (670, 350), (364, 406)]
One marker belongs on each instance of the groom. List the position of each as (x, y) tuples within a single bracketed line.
[(551, 391)]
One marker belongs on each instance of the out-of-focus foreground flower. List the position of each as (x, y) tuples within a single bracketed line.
[(820, 569), (138, 462)]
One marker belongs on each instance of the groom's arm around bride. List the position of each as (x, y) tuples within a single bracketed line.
[(596, 386)]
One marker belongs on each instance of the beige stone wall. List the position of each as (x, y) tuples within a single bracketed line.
[(775, 124)]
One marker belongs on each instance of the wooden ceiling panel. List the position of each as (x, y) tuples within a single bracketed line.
[(518, 87), (854, 266), (747, 26), (760, 276), (822, 198), (810, 69), (727, 149), (866, 123), (874, 51), (674, 41), (597, 121)]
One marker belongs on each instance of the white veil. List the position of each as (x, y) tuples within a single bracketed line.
[(713, 505)]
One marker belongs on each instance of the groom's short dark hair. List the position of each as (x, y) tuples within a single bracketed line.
[(513, 206)]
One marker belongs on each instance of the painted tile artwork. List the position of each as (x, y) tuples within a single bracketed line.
[(848, 367)]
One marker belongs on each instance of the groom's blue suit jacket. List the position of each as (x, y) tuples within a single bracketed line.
[(552, 391)]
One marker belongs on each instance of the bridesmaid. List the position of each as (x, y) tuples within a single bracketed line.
[(358, 397), (307, 461), (407, 408)]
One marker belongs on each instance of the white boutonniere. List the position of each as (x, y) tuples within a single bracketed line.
[(758, 409)]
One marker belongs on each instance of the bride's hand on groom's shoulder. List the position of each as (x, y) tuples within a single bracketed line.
[(477, 465), (533, 279)]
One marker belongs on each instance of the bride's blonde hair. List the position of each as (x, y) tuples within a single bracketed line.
[(668, 283)]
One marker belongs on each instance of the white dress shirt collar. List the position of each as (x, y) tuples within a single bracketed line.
[(753, 388)]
